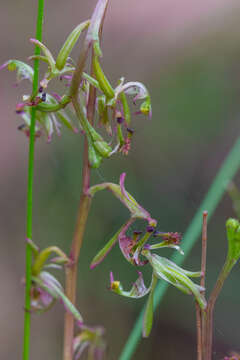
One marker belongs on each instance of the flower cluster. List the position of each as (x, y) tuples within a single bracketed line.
[(137, 249), (111, 103)]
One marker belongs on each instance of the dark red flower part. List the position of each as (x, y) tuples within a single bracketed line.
[(20, 108), (172, 237), (150, 229), (136, 232), (147, 246), (130, 131)]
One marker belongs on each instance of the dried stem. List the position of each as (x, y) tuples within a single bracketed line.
[(83, 211), (200, 315)]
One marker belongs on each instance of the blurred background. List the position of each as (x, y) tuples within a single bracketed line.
[(188, 55)]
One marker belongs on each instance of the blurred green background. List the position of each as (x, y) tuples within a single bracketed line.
[(188, 55)]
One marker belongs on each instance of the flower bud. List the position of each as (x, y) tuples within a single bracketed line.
[(233, 235)]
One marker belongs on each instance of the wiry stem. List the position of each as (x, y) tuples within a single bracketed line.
[(27, 316), (83, 211), (200, 315), (229, 263)]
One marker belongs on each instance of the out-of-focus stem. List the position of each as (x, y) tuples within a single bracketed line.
[(27, 316)]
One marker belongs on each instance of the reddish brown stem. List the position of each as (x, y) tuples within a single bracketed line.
[(82, 216), (200, 316), (211, 303)]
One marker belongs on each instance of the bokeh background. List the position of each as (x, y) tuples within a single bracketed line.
[(188, 55)]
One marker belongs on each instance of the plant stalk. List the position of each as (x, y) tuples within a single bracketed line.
[(229, 263), (200, 315), (82, 216), (31, 153)]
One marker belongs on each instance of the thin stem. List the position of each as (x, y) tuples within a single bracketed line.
[(199, 331), (211, 303), (83, 211), (210, 202), (199, 314), (27, 316)]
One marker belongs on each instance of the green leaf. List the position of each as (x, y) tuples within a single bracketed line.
[(69, 44)]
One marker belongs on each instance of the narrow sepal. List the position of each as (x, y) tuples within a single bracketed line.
[(69, 44), (138, 289), (24, 71)]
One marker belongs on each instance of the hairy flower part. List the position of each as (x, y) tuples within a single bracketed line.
[(89, 340)]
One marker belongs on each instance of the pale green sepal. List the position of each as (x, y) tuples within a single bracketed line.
[(164, 244), (24, 71), (170, 272), (102, 79), (105, 250), (49, 284), (64, 119), (94, 157), (42, 257), (46, 52), (69, 44), (39, 57), (138, 289), (233, 235), (91, 80)]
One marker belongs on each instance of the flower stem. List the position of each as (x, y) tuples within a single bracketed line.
[(82, 216), (200, 315), (229, 263), (27, 316)]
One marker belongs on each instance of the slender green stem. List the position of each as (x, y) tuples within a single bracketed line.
[(210, 202), (27, 317)]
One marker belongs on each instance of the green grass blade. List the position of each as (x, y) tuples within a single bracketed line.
[(27, 316)]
